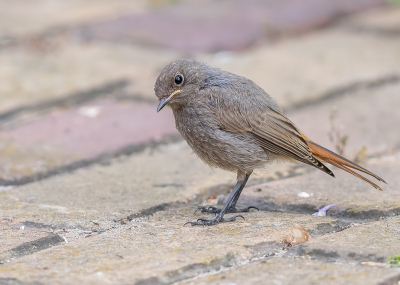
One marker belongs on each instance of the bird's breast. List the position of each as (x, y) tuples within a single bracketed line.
[(216, 147)]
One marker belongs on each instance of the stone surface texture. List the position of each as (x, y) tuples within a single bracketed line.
[(96, 186)]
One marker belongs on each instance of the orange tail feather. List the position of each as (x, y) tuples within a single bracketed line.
[(340, 162)]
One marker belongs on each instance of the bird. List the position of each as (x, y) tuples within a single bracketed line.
[(233, 124)]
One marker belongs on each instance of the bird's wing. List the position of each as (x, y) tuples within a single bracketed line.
[(272, 130)]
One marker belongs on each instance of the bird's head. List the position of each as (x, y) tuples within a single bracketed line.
[(178, 82)]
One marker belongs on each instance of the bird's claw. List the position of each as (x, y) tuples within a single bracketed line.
[(215, 210), (204, 222), (248, 209), (210, 209)]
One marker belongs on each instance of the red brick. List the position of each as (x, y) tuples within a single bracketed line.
[(210, 26), (116, 125)]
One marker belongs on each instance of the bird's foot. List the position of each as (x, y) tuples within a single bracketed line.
[(204, 222), (215, 210)]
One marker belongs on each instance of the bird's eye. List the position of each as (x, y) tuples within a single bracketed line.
[(178, 79)]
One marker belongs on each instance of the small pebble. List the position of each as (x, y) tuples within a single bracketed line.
[(303, 195), (90, 111), (113, 218)]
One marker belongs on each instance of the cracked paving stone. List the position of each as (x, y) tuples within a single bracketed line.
[(284, 271), (131, 252), (31, 247), (359, 244)]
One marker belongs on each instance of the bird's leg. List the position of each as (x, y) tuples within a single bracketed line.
[(232, 206), (234, 194)]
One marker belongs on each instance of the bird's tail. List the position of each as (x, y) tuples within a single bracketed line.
[(340, 162)]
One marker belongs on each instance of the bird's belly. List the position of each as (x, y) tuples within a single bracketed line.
[(229, 151)]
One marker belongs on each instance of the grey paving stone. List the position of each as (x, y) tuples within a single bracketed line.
[(355, 200), (150, 178), (280, 271), (160, 249), (24, 17), (89, 200), (159, 246), (323, 63), (368, 117), (359, 244), (34, 77), (12, 234)]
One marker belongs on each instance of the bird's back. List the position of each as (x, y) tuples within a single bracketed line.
[(246, 122), (199, 125)]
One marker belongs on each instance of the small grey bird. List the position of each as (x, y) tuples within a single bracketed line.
[(233, 124)]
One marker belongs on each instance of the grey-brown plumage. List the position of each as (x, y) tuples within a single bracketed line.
[(233, 124)]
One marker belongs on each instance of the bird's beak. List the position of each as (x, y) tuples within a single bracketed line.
[(164, 101)]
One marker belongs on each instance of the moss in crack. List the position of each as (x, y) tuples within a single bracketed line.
[(394, 260)]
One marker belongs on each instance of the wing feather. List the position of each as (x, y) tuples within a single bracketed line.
[(272, 130)]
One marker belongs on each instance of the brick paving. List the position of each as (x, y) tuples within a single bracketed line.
[(96, 186)]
